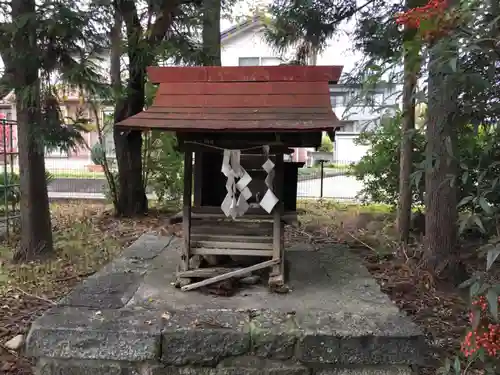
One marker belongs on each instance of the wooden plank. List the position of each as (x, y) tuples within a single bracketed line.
[(138, 122), (232, 245), (186, 210), (229, 275), (278, 270), (206, 148), (228, 230), (167, 114), (255, 215), (247, 111), (206, 272), (229, 224), (243, 252), (195, 237), (198, 178), (238, 88), (242, 101), (283, 73)]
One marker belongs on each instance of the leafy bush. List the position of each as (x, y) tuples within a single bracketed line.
[(379, 168), (326, 144), (97, 154), (164, 166), (13, 193), (477, 156)]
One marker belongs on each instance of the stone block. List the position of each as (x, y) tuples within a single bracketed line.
[(147, 247), (375, 370), (350, 339), (247, 365), (204, 337), (65, 367), (78, 333), (273, 334), (114, 285), (104, 290)]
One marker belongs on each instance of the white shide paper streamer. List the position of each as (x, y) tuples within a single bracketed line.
[(269, 200), (232, 169)]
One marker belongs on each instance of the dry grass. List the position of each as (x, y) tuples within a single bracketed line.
[(371, 226), (86, 236)]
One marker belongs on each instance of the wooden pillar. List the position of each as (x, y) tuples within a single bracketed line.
[(186, 211), (277, 276), (198, 178)]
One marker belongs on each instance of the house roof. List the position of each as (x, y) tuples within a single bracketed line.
[(262, 98), (241, 27)]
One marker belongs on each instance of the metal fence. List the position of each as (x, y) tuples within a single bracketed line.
[(9, 180), (78, 178), (328, 180)]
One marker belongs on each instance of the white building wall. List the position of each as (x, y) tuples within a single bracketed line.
[(250, 43), (346, 151)]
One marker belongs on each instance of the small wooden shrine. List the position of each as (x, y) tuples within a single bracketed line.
[(238, 122)]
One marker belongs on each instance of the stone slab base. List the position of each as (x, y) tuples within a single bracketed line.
[(247, 365), (127, 319)]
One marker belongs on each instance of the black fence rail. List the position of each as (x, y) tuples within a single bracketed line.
[(73, 179), (328, 180)]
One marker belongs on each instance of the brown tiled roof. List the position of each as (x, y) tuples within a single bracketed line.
[(277, 98)]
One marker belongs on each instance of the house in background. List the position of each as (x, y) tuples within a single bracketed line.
[(71, 107), (245, 44)]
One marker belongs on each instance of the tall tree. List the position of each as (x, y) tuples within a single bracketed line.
[(411, 62), (35, 214), (211, 32), (143, 43), (442, 165), (305, 26), (39, 43)]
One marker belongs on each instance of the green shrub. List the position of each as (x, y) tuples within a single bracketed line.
[(477, 156), (165, 167), (13, 193), (326, 144)]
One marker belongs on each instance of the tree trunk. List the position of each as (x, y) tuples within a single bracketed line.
[(411, 69), (211, 32), (36, 231), (441, 135), (128, 143), (128, 147)]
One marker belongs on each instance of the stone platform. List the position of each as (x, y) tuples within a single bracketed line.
[(128, 319)]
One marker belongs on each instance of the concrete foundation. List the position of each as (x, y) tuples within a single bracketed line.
[(129, 320)]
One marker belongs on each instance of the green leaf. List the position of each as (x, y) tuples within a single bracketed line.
[(476, 318), (492, 298), (484, 205), (465, 176), (456, 366), (465, 200), (448, 145), (468, 282), (491, 257), (463, 224), (477, 221), (453, 64), (474, 289), (445, 369)]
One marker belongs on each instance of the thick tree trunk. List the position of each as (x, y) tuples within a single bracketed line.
[(211, 32), (36, 233), (441, 194), (411, 69), (128, 147), (128, 143)]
